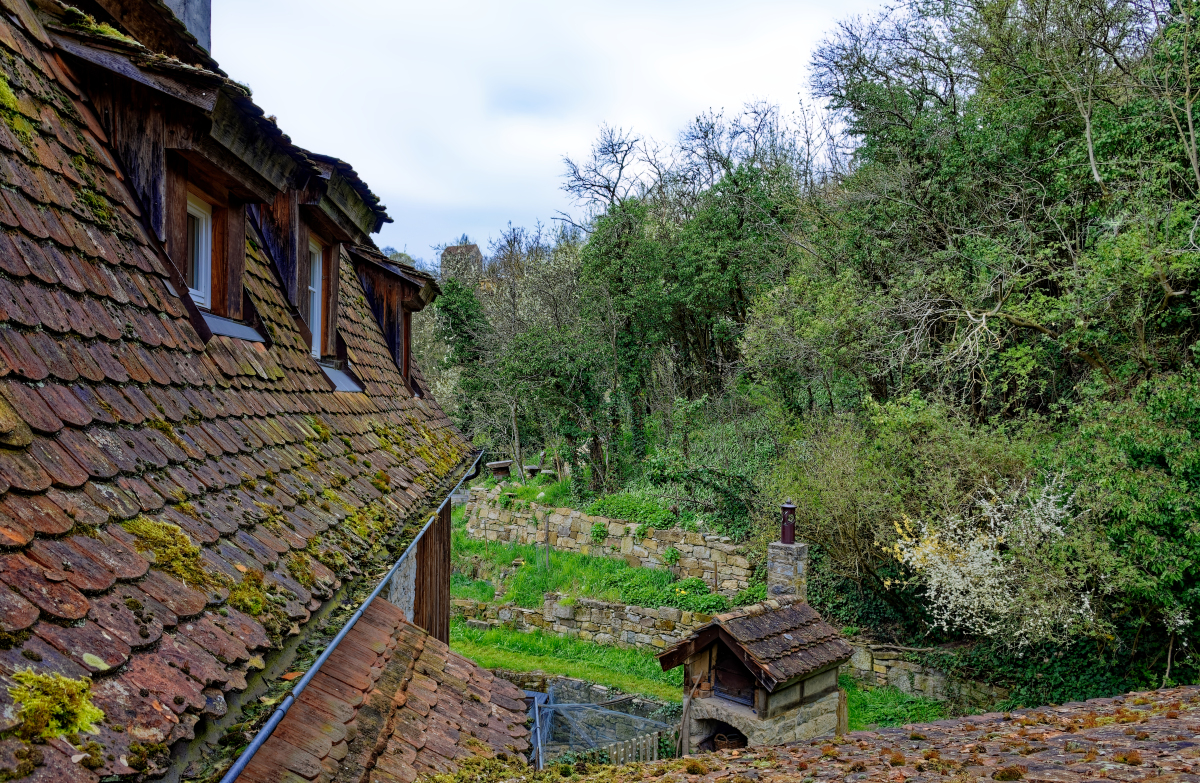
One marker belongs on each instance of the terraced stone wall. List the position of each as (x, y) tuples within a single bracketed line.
[(601, 622), (880, 665), (715, 559)]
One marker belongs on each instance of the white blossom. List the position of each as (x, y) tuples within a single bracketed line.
[(993, 573)]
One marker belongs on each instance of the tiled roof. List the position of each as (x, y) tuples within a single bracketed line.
[(168, 511), (1149, 736), (397, 704), (786, 639)]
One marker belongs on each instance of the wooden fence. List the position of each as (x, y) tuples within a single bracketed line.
[(643, 748), (431, 605)]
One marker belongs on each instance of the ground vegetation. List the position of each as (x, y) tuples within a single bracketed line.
[(946, 305)]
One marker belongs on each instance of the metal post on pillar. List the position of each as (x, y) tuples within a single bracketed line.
[(787, 533)]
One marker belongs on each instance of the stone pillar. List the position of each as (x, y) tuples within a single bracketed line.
[(787, 571)]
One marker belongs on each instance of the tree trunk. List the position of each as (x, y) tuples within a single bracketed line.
[(517, 462)]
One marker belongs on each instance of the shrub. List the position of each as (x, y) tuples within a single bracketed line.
[(751, 595), (599, 533), (671, 555)]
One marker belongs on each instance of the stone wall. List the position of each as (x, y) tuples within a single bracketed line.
[(816, 719), (594, 621), (881, 665), (715, 559)]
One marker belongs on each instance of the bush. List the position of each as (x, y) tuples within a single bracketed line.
[(599, 533), (670, 555), (751, 595)]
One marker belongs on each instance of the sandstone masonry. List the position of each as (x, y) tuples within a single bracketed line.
[(595, 621), (879, 665), (715, 559)]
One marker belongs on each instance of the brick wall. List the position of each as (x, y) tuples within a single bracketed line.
[(715, 559)]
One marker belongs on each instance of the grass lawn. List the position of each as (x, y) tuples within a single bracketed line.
[(631, 671), (571, 573), (887, 706)]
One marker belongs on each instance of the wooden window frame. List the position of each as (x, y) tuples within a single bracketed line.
[(316, 296), (222, 293), (202, 211)]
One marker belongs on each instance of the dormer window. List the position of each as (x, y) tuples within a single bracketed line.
[(205, 226), (198, 267), (315, 289)]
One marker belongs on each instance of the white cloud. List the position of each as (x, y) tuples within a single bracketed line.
[(458, 113)]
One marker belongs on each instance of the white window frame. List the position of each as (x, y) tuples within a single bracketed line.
[(202, 211), (314, 294)]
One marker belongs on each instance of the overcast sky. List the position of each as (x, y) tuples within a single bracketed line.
[(458, 113)]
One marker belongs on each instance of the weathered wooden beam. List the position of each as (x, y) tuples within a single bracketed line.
[(202, 97), (155, 30), (342, 194), (236, 132)]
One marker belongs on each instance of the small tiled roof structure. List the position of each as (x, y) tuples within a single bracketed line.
[(414, 709), (779, 641), (171, 508)]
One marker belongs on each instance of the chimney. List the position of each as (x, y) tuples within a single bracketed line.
[(196, 16), (787, 561)]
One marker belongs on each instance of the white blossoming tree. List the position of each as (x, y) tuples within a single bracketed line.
[(1022, 568)]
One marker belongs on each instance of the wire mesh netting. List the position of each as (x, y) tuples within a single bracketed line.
[(583, 730)]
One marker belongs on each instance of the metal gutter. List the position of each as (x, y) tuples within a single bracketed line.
[(260, 739)]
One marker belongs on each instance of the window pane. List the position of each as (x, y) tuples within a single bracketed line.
[(191, 268)]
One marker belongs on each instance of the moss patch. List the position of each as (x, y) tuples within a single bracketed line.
[(7, 99), (174, 552), (102, 214), (81, 21), (262, 601), (53, 705), (299, 565)]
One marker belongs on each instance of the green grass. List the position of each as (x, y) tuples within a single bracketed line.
[(557, 493), (474, 589), (577, 575), (887, 706), (632, 671)]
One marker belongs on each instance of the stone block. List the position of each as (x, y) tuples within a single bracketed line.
[(670, 613), (616, 529), (626, 545), (658, 642)]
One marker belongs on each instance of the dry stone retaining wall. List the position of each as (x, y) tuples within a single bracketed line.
[(595, 621), (715, 559), (880, 665)]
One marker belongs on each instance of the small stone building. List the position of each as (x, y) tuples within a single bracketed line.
[(766, 672)]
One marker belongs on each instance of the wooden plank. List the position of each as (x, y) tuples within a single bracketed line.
[(29, 20), (250, 144), (279, 222), (302, 269), (175, 214), (235, 260), (333, 275), (203, 97)]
